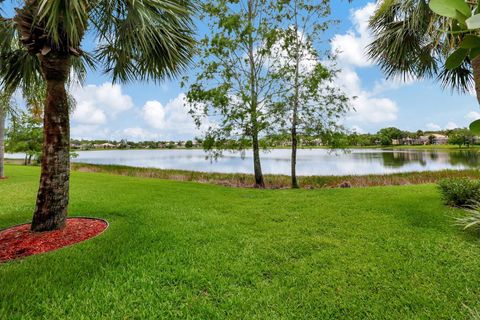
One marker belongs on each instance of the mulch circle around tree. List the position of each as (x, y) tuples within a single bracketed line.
[(19, 241)]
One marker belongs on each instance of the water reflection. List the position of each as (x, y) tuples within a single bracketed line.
[(310, 162)]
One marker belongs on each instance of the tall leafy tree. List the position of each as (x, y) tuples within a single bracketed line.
[(135, 40), (308, 101), (234, 83), (24, 135), (34, 94)]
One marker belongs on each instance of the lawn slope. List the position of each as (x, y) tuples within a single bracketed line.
[(183, 250)]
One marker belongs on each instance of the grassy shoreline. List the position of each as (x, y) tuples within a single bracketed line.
[(273, 181), (279, 181)]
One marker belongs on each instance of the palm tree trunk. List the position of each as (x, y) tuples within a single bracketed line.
[(476, 76), (2, 142), (52, 199)]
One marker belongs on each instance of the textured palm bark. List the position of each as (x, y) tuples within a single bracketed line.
[(476, 76), (52, 199), (2, 142)]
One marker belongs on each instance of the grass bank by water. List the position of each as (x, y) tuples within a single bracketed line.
[(279, 181), (182, 250)]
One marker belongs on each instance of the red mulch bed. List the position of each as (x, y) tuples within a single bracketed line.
[(19, 241)]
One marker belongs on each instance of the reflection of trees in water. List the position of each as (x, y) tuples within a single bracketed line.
[(399, 159), (469, 158)]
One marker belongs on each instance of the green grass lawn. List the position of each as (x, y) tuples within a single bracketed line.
[(195, 251)]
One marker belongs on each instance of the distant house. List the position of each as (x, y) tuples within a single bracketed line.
[(397, 142), (411, 141), (422, 140), (317, 142), (439, 138), (104, 146)]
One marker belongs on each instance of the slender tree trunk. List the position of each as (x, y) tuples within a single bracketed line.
[(2, 142), (257, 167), (295, 106), (52, 199), (294, 154), (294, 127), (476, 76)]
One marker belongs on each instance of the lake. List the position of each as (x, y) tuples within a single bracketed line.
[(310, 161)]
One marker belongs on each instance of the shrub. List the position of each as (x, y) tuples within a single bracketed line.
[(460, 192)]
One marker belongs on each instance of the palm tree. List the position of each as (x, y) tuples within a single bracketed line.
[(135, 40), (409, 40), (4, 104)]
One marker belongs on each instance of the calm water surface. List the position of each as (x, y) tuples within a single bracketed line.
[(310, 161)]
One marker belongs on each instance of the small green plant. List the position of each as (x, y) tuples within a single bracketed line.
[(460, 192), (472, 219)]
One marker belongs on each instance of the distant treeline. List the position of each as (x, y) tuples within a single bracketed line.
[(384, 137)]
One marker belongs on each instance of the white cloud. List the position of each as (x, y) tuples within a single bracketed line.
[(137, 133), (351, 47), (472, 116), (86, 131), (98, 106), (87, 113), (154, 114), (432, 126), (451, 125), (391, 84), (374, 110), (172, 119), (358, 129), (97, 103), (370, 108)]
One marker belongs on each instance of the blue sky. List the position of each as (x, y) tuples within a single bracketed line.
[(141, 111)]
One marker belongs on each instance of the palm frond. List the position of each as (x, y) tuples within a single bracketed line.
[(459, 79), (409, 40), (137, 40), (65, 21), (19, 70), (143, 40)]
